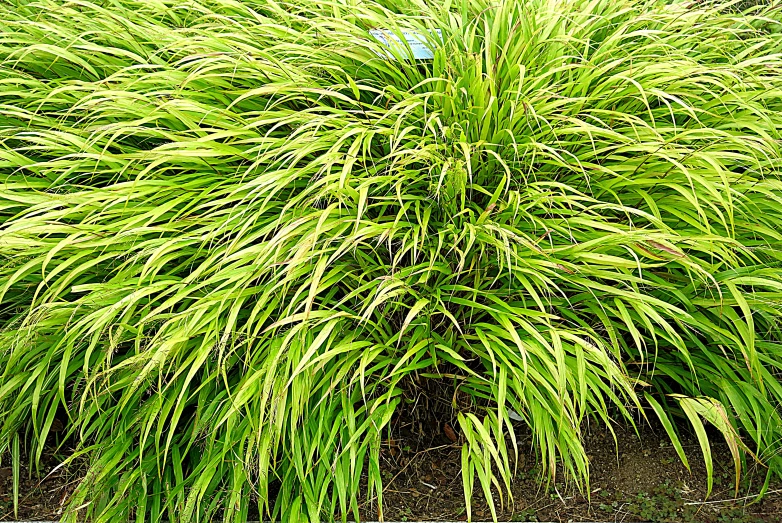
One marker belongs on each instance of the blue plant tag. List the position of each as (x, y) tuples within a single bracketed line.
[(415, 40)]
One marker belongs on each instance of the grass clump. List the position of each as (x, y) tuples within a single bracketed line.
[(232, 235)]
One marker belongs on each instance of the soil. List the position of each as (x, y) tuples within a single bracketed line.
[(41, 495), (639, 479)]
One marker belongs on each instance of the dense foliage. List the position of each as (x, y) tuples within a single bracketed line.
[(233, 233)]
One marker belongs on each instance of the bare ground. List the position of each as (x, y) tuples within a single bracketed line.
[(638, 479)]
